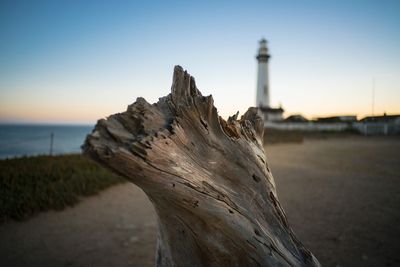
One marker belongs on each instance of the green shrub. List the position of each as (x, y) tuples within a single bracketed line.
[(29, 185)]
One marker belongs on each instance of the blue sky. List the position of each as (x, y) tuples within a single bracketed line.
[(77, 61)]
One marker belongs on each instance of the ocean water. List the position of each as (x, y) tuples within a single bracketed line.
[(29, 140)]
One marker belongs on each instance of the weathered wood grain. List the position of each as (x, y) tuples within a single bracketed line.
[(208, 179)]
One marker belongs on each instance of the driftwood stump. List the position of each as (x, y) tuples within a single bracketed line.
[(207, 178)]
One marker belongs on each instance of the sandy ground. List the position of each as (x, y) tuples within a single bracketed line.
[(115, 228), (341, 196)]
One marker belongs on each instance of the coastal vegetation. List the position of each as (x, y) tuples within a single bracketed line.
[(29, 185)]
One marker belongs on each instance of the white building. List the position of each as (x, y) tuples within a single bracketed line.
[(378, 125), (263, 93)]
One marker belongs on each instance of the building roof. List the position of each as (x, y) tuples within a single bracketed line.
[(383, 118), (340, 118), (271, 110), (296, 118)]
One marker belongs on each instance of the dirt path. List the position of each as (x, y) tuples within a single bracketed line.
[(342, 197), (115, 228)]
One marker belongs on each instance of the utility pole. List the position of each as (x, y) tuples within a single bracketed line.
[(51, 143), (373, 96)]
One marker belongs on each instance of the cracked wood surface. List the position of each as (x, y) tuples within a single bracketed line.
[(207, 178)]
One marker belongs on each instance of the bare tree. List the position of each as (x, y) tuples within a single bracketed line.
[(207, 178)]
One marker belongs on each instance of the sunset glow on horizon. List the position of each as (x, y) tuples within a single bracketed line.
[(70, 62)]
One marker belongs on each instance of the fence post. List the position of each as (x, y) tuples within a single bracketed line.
[(51, 143)]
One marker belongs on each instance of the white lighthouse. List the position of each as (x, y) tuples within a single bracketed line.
[(262, 75), (263, 97)]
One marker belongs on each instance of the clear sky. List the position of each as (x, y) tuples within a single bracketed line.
[(77, 61)]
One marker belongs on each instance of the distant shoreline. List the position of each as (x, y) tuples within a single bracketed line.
[(47, 124), (40, 155), (18, 140)]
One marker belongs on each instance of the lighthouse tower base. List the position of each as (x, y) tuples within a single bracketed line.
[(271, 114)]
